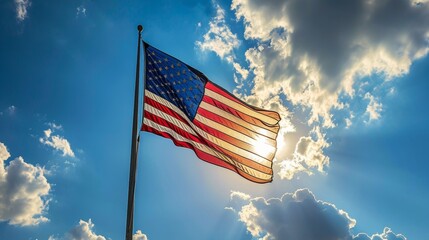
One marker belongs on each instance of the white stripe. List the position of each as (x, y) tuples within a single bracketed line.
[(170, 119), (195, 130), (246, 154), (208, 150), (237, 120), (222, 113), (263, 142), (241, 108)]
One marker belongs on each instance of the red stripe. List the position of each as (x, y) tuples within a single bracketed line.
[(212, 159), (227, 138), (223, 121), (167, 124), (165, 109), (247, 162), (231, 97), (245, 117), (204, 156), (243, 160), (166, 135), (207, 157)]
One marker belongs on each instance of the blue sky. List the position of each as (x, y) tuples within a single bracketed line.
[(348, 78)]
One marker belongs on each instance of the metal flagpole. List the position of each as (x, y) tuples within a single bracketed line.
[(133, 161)]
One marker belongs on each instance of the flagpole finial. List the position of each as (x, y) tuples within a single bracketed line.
[(140, 28)]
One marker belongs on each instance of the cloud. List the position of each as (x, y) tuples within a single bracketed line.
[(386, 235), (55, 126), (21, 9), (23, 191), (299, 216), (220, 40), (85, 231), (349, 120), (80, 11), (11, 109), (139, 236), (308, 154), (314, 51), (289, 168), (311, 55), (374, 108), (57, 142)]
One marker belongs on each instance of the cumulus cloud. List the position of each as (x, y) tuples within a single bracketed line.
[(314, 51), (348, 120), (308, 154), (139, 236), (23, 191), (57, 142), (374, 108), (386, 235), (21, 9), (311, 55), (220, 40), (237, 199), (85, 231), (299, 216)]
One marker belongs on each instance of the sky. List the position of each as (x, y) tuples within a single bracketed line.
[(349, 79)]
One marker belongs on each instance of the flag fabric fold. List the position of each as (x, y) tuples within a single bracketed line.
[(181, 104)]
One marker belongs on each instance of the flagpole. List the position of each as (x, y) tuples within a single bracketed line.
[(133, 161)]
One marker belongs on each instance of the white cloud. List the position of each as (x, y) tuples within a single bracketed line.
[(80, 11), (289, 168), (239, 195), (294, 216), (22, 9), (85, 231), (57, 142), (386, 235), (374, 108), (314, 51), (220, 40), (240, 70), (349, 120), (299, 215), (237, 199), (23, 191), (312, 54), (308, 154), (139, 236), (55, 126)]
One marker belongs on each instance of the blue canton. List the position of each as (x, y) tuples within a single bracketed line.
[(174, 81)]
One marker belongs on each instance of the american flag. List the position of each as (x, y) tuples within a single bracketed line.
[(181, 104)]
